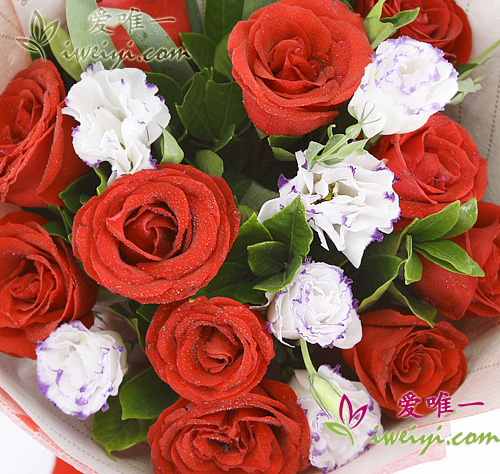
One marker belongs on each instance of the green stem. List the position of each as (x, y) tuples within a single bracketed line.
[(486, 51), (307, 358)]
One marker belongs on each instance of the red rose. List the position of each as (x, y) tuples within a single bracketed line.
[(297, 61), (157, 236), (37, 159), (171, 15), (42, 285), (264, 431), (209, 349), (436, 165), (401, 353), (441, 23), (457, 295)]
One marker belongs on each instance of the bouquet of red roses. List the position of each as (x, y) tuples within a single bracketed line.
[(242, 231)]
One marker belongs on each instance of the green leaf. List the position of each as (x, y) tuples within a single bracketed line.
[(62, 49), (388, 246), (436, 225), (449, 255), (147, 311), (72, 195), (224, 106), (156, 47), (85, 40), (57, 229), (144, 396), (402, 18), (140, 325), (103, 172), (209, 162), (290, 227), (267, 258), (222, 63), (221, 16), (250, 233), (200, 47), (115, 434), (374, 278), (192, 112), (467, 217), (250, 6), (339, 429), (418, 307), (281, 280), (194, 16), (224, 139), (413, 265), (283, 155), (233, 281), (170, 149), (257, 195)]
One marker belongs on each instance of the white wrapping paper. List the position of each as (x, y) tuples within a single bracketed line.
[(71, 439)]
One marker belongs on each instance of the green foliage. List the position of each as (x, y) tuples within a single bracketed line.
[(170, 149), (220, 17)]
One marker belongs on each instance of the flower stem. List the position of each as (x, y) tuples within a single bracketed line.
[(307, 358)]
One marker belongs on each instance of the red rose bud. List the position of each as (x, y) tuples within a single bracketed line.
[(297, 61), (441, 23), (436, 165), (37, 160), (457, 295), (41, 284), (209, 349), (157, 236), (264, 431), (401, 353)]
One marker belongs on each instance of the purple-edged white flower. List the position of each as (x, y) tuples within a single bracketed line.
[(406, 82), (318, 307), (120, 116), (360, 414), (351, 202), (78, 369)]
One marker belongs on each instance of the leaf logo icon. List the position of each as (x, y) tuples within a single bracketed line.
[(40, 35)]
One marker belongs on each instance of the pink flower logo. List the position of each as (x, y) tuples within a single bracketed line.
[(354, 419)]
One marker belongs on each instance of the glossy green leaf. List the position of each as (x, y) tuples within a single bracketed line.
[(467, 217), (222, 63), (194, 16), (144, 396), (418, 307), (250, 6), (290, 227), (224, 106), (57, 229), (72, 195), (281, 280), (435, 225), (449, 255), (220, 17), (232, 281), (170, 149), (209, 162), (374, 277), (156, 47), (192, 111), (283, 155), (388, 246), (89, 41), (115, 434), (200, 47), (413, 265), (257, 195), (267, 258), (251, 232), (147, 311)]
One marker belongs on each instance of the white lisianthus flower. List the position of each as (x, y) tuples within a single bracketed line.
[(120, 116), (351, 202), (330, 450), (406, 82), (78, 369), (317, 306)]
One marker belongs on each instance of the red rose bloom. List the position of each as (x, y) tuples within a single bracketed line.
[(436, 165), (42, 285), (441, 23), (37, 159), (297, 61), (401, 353), (457, 295), (157, 236), (171, 15), (262, 432), (209, 349)]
